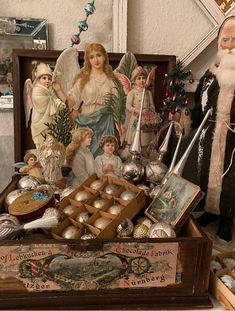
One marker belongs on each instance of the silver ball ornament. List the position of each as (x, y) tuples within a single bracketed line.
[(127, 195), (96, 184), (111, 189), (71, 232), (99, 203), (28, 182), (125, 228), (146, 221), (82, 196), (69, 210), (102, 222), (82, 217), (155, 171), (88, 236), (115, 209), (140, 231), (133, 170), (161, 230)]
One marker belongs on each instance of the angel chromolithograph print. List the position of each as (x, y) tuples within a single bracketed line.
[(174, 201)]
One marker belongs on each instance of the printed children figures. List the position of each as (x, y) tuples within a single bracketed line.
[(32, 167), (45, 103), (79, 157), (108, 163)]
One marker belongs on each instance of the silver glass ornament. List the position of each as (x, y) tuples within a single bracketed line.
[(133, 169), (155, 171), (125, 228), (161, 230), (102, 222), (88, 236), (7, 218), (82, 196), (82, 217), (8, 227), (10, 198), (51, 211), (140, 231), (69, 210), (146, 221), (127, 195), (99, 202), (115, 209), (96, 184), (28, 182), (66, 192), (71, 232), (111, 189)]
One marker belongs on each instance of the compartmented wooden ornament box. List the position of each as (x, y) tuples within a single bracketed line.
[(224, 294), (111, 273)]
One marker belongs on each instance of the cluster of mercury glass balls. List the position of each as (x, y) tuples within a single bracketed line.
[(143, 229)]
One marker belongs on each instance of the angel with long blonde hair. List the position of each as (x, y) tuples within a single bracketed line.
[(88, 95), (79, 157)]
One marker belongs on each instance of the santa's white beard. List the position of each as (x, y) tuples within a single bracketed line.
[(225, 73)]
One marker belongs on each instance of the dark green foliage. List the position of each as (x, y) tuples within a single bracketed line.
[(61, 127), (117, 102), (175, 96)]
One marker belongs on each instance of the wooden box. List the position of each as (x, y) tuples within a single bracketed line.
[(224, 294), (105, 274)]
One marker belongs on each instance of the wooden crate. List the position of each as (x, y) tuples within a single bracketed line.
[(137, 274)]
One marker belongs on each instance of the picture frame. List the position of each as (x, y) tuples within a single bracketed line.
[(215, 11), (17, 33), (174, 202)]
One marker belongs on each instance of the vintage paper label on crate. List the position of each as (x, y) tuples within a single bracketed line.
[(46, 267)]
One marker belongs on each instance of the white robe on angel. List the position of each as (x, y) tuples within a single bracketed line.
[(45, 105)]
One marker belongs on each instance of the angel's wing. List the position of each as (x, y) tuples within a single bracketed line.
[(66, 68), (123, 79), (150, 76), (27, 97), (127, 64)]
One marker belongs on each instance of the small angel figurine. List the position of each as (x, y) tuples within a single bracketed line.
[(52, 156), (79, 156), (133, 105), (41, 97), (108, 163), (32, 167)]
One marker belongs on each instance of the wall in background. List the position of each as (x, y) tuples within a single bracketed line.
[(153, 27)]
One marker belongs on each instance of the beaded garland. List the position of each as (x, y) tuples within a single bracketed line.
[(83, 26)]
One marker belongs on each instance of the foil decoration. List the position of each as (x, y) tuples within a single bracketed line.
[(125, 228)]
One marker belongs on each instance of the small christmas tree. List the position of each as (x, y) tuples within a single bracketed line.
[(175, 95), (61, 127)]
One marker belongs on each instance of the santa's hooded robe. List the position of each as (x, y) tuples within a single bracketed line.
[(216, 143)]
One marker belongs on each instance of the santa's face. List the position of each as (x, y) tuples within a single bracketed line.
[(227, 38)]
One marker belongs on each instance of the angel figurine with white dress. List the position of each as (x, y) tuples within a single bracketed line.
[(41, 97)]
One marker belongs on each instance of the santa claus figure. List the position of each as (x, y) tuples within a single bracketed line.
[(216, 162)]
